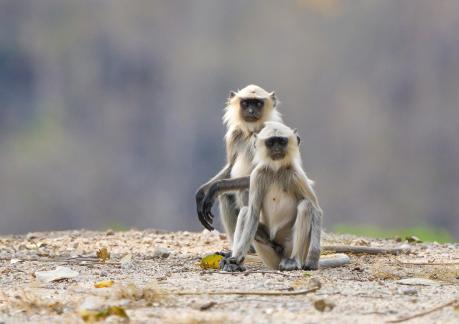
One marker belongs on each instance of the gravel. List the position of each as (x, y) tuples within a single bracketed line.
[(149, 268)]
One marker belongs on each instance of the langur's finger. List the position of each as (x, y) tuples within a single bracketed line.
[(208, 225), (204, 221), (209, 218)]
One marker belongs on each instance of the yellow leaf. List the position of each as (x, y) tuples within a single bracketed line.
[(211, 261), (117, 310), (104, 284), (91, 316), (103, 254)]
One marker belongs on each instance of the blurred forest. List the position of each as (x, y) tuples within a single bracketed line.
[(110, 111)]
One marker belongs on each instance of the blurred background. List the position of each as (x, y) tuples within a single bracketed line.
[(110, 111)]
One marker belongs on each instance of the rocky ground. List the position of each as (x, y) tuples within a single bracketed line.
[(155, 276)]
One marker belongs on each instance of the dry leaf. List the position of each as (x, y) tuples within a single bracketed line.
[(211, 261), (323, 305), (54, 275), (103, 254), (104, 284), (90, 316), (149, 293), (57, 307)]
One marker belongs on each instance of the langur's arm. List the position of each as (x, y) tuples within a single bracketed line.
[(305, 189), (219, 187), (200, 194)]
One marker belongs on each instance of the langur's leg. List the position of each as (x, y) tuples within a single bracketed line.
[(306, 238)]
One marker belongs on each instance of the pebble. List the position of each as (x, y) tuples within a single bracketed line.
[(161, 253), (31, 236), (417, 282), (411, 291)]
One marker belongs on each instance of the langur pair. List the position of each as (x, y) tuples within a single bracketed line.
[(281, 216)]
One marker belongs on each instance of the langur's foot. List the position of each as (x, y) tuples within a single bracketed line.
[(231, 265), (288, 264), (252, 250), (311, 265)]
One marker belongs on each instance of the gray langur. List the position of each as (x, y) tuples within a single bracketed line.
[(245, 114), (282, 203)]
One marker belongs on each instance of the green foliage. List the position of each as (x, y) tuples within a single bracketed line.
[(424, 232)]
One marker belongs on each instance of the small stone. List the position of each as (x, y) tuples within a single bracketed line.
[(110, 232), (410, 291), (31, 236), (417, 282), (360, 242), (55, 275), (405, 247), (126, 261), (413, 239), (161, 253)]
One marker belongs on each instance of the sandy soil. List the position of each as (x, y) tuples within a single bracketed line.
[(150, 269)]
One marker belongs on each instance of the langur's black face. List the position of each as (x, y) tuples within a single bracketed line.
[(277, 147), (251, 109)]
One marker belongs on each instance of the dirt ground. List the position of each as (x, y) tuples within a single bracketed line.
[(157, 278)]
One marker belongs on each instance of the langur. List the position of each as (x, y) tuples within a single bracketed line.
[(282, 203), (245, 114), (220, 187)]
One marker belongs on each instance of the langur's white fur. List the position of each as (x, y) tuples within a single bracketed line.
[(232, 118), (283, 200)]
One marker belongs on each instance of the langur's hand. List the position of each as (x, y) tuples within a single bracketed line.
[(207, 204), (200, 194)]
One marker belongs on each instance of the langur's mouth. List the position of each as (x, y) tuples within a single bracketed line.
[(277, 156), (251, 119)]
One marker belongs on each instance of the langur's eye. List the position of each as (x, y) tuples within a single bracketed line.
[(259, 104), (283, 141), (269, 142), (244, 104)]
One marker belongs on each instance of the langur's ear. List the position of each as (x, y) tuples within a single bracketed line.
[(295, 131), (232, 94), (273, 97)]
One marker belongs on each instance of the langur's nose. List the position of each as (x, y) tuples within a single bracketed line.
[(250, 111)]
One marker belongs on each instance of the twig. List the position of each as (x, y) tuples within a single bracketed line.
[(427, 263), (403, 319), (361, 249), (77, 260), (246, 293)]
